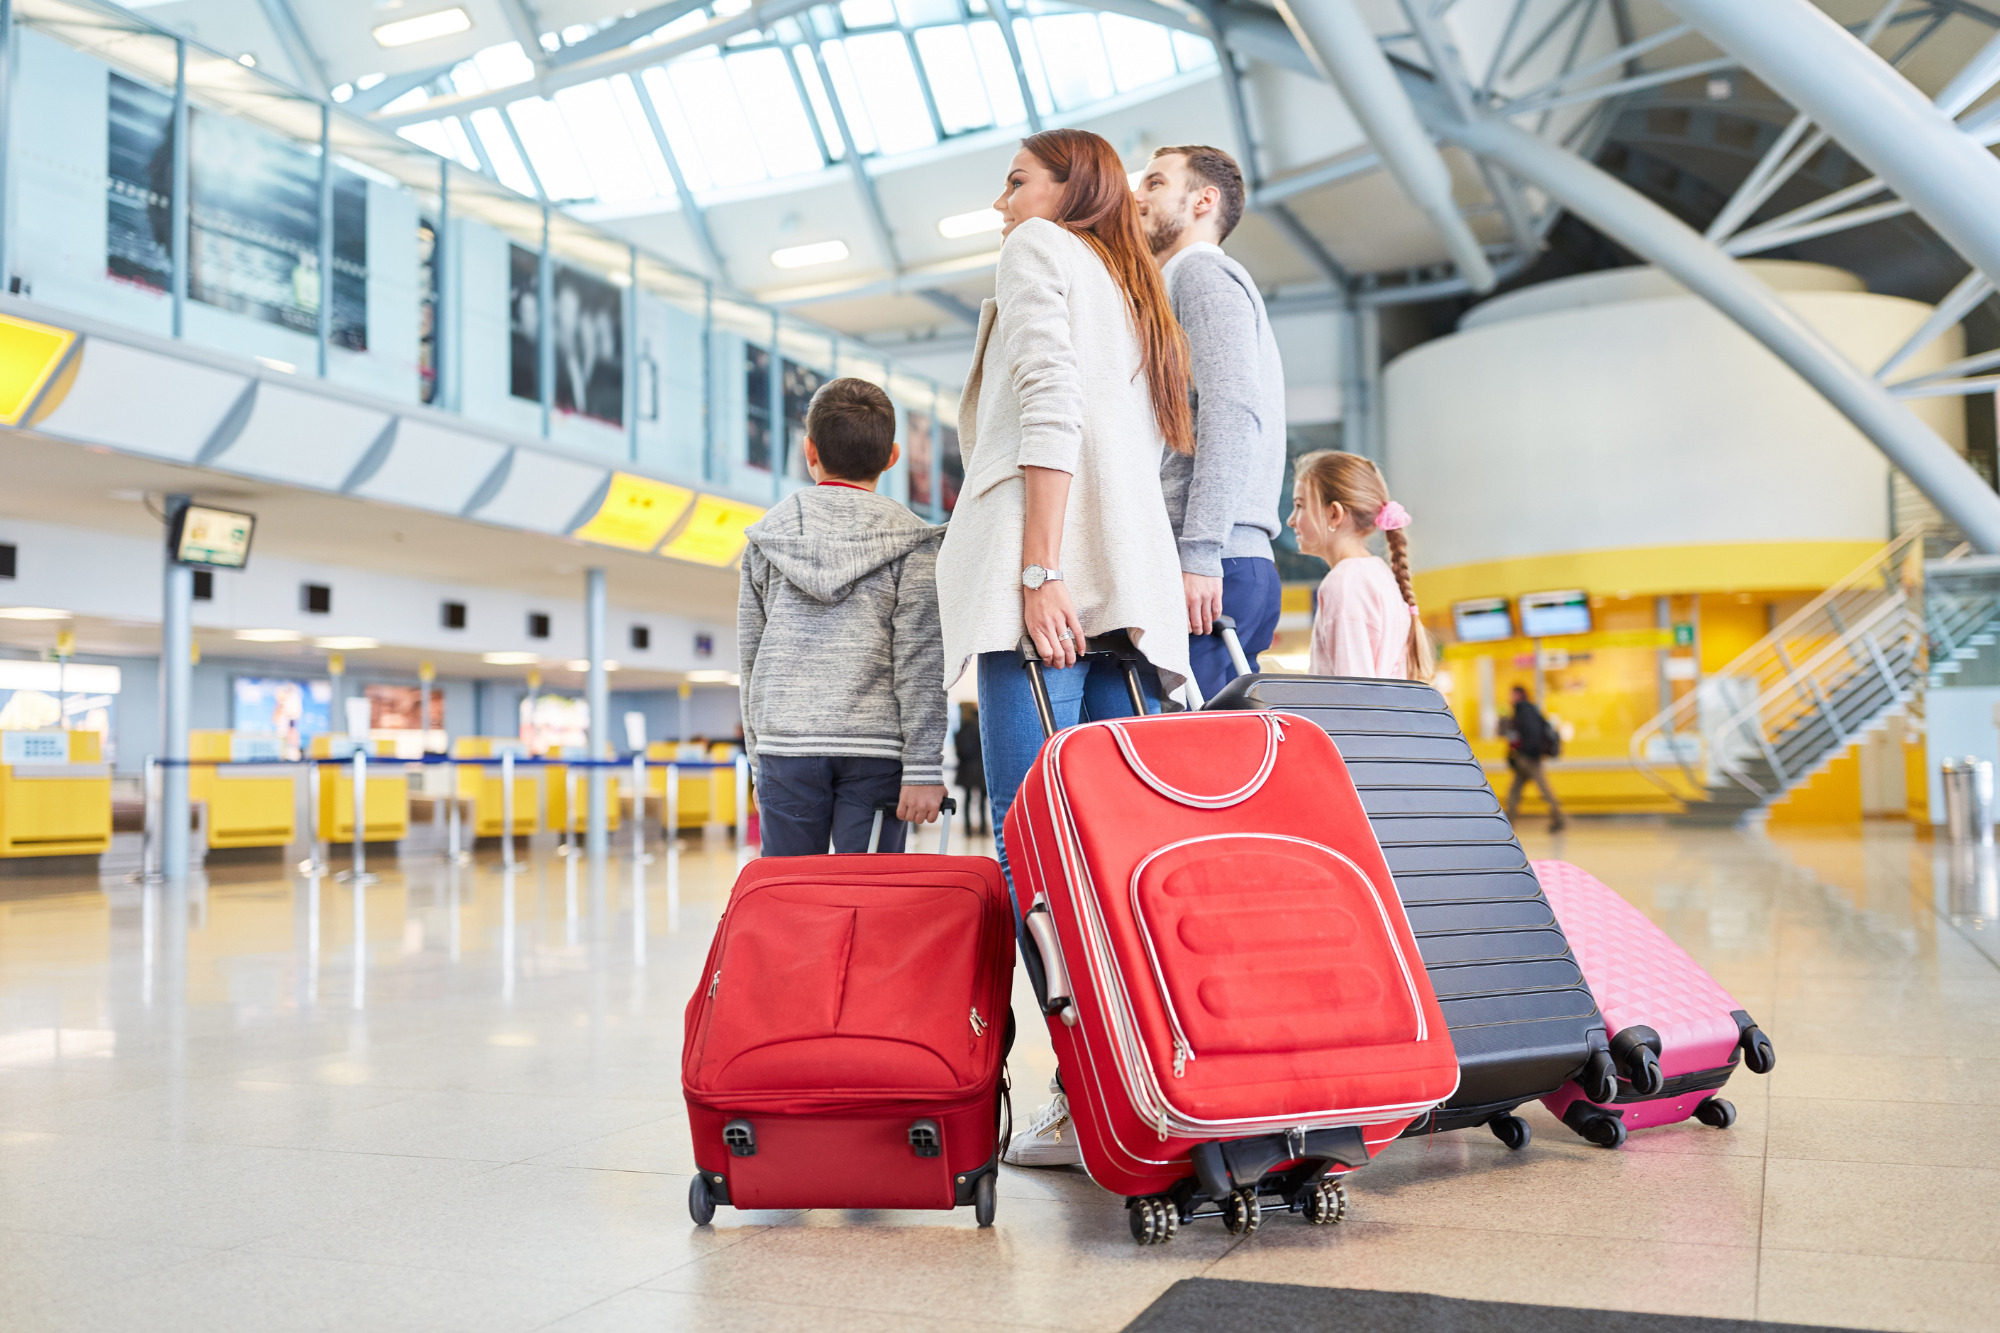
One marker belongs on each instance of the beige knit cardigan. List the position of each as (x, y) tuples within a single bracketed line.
[(1056, 383)]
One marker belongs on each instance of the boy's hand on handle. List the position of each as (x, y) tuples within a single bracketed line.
[(919, 805), (1204, 601), (1047, 612)]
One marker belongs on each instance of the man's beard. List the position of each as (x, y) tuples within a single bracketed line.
[(1163, 229)]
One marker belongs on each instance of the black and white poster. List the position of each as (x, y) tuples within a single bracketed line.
[(801, 383), (253, 230), (756, 407), (586, 325)]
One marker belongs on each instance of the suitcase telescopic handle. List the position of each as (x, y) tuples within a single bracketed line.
[(946, 810), (1118, 645), (1226, 627)]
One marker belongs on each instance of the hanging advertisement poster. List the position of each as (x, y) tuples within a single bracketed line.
[(757, 407), (588, 329), (801, 383), (954, 466), (554, 719), (294, 711), (253, 231), (917, 453)]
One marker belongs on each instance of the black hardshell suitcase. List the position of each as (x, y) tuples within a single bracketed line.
[(1521, 1015)]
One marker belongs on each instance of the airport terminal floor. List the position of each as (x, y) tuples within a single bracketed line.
[(453, 1101)]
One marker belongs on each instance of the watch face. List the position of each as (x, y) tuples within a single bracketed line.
[(1033, 576)]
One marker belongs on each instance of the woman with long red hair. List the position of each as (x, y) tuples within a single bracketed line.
[(1079, 380)]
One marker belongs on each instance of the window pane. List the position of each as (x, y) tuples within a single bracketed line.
[(802, 61), (598, 128), (642, 135), (996, 72), (917, 13), (504, 65), (889, 83), (551, 149), (764, 85), (852, 105), (499, 146), (461, 146), (1140, 52), (694, 167), (955, 80), (1193, 52), (429, 134), (1073, 56), (1031, 61), (708, 100), (867, 13)]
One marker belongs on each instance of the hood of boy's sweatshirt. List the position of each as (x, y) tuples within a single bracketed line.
[(826, 539)]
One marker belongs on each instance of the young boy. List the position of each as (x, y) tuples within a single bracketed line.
[(843, 662)]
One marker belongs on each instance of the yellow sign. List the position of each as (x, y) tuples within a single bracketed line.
[(65, 643), (637, 512), (534, 680), (29, 354), (336, 664), (194, 651), (427, 672), (714, 532)]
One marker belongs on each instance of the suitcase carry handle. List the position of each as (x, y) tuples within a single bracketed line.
[(1117, 644), (945, 811), (1051, 977)]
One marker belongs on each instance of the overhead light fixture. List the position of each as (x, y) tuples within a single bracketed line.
[(272, 363), (247, 60), (805, 256), (32, 613), (712, 678), (583, 664), (510, 659), (347, 643), (269, 635), (970, 224), (423, 27)]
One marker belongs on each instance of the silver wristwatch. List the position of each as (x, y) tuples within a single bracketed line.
[(1034, 576)]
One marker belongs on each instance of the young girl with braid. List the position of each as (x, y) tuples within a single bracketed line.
[(1366, 621)]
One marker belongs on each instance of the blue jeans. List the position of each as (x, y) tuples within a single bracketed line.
[(1010, 731), (805, 800), (1251, 593)]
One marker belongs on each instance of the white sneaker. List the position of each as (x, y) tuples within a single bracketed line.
[(1049, 1141)]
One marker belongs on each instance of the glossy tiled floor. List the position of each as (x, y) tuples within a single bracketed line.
[(453, 1103)]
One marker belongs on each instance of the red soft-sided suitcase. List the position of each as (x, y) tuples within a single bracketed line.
[(1677, 1035), (844, 1049), (1238, 1007)]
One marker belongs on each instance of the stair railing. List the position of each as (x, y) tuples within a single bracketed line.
[(1732, 730)]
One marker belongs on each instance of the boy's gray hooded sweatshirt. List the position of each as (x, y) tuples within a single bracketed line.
[(838, 622)]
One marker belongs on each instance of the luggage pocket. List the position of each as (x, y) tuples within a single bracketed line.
[(1266, 943)]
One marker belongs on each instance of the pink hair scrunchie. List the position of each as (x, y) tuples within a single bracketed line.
[(1392, 516)]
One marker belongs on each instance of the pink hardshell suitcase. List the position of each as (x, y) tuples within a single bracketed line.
[(1677, 1035)]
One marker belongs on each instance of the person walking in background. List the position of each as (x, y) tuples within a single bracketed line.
[(972, 770), (1223, 498), (1079, 380), (1532, 740), (1365, 621)]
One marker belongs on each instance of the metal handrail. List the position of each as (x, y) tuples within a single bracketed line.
[(1795, 673)]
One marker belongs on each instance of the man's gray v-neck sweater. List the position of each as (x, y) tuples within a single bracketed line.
[(1224, 500)]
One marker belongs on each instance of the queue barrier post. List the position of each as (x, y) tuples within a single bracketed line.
[(638, 805), (507, 808)]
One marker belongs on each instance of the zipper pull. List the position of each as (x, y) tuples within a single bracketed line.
[(978, 1023), (1182, 1054), (716, 981), (1161, 1128)]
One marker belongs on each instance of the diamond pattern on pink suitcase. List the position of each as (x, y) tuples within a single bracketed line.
[(1638, 974)]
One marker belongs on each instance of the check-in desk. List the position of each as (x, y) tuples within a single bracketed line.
[(387, 814), (707, 795), (560, 778), (55, 794), (483, 785), (247, 806)]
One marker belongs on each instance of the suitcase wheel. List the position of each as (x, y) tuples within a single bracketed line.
[(1647, 1077), (982, 1200), (1606, 1131), (1325, 1203), (701, 1204), (1511, 1130), (1759, 1056), (1715, 1113), (1241, 1212), (1153, 1219)]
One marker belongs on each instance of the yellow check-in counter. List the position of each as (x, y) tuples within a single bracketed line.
[(707, 795), (387, 816), (483, 786), (561, 817), (247, 807), (55, 794)]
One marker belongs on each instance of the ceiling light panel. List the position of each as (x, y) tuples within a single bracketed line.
[(423, 27), (805, 256), (970, 224), (510, 659), (32, 613), (347, 643), (269, 635)]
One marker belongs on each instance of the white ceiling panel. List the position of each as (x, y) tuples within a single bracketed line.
[(541, 492), (302, 437), (432, 467), (143, 401)]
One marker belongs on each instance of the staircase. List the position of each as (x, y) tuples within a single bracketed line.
[(1771, 719), (1962, 606)]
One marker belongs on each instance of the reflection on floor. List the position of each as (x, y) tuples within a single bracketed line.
[(452, 1101)]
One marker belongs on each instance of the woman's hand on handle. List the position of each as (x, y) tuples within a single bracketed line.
[(1051, 622)]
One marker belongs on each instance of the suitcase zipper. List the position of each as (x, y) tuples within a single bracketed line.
[(715, 981), (978, 1023)]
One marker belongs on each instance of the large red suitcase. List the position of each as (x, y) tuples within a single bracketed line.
[(844, 1048), (1677, 1035), (1238, 1007)]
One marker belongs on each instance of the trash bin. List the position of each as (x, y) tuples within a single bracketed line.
[(1968, 800)]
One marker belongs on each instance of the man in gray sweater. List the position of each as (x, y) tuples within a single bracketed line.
[(1224, 499), (843, 662)]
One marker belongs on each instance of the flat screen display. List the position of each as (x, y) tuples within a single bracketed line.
[(1482, 621), (217, 538), (1547, 614)]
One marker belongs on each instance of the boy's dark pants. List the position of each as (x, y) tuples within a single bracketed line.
[(802, 800)]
